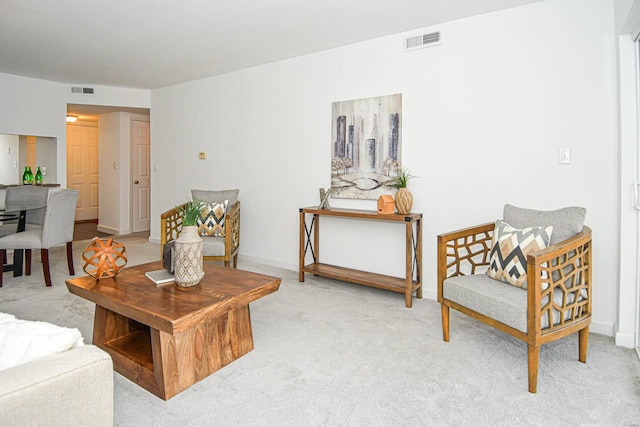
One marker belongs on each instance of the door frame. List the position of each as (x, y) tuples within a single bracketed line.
[(627, 322)]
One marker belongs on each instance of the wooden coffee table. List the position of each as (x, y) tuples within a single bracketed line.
[(166, 338)]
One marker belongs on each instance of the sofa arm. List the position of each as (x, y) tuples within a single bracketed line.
[(72, 388)]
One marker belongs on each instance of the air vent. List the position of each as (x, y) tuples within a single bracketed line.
[(85, 90), (419, 41)]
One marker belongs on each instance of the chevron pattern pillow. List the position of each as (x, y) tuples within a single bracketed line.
[(509, 249), (210, 222)]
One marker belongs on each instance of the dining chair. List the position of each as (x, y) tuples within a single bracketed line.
[(57, 229), (24, 199)]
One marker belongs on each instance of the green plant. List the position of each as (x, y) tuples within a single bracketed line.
[(190, 211), (403, 177)]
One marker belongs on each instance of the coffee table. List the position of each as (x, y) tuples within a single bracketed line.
[(166, 338)]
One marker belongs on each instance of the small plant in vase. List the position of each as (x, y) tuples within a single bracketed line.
[(188, 246), (404, 198), (190, 212)]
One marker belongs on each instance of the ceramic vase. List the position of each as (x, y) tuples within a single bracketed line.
[(404, 201), (188, 252)]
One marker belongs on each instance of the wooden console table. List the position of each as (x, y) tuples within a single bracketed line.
[(412, 282)]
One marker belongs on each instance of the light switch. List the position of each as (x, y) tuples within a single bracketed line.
[(202, 155), (564, 156), (155, 167)]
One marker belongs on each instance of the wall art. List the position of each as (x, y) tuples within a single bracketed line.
[(366, 146)]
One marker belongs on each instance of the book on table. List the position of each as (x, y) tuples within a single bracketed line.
[(160, 277)]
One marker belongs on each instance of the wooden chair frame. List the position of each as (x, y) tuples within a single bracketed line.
[(466, 251), (171, 224)]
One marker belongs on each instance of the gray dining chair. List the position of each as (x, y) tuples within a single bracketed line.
[(57, 229), (27, 198)]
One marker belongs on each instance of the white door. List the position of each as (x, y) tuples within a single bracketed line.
[(82, 168), (140, 176)]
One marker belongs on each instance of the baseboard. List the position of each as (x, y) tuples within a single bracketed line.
[(602, 328), (269, 261), (108, 230), (625, 340), (154, 240)]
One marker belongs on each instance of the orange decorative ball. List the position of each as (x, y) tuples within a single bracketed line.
[(104, 258)]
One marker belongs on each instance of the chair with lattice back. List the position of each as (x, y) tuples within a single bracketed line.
[(219, 226), (528, 275)]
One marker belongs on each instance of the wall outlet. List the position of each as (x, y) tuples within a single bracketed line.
[(202, 155), (564, 156)]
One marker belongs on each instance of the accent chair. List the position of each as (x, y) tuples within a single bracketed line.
[(528, 276)]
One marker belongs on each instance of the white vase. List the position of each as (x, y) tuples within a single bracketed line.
[(188, 267)]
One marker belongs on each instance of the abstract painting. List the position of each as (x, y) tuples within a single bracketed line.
[(366, 146)]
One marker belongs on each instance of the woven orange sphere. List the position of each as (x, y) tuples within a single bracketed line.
[(104, 258)]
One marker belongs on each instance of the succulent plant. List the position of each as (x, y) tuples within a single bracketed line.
[(403, 177)]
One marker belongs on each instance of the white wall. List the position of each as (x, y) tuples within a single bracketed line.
[(38, 107), (483, 117), (109, 147), (9, 171), (114, 149), (46, 154)]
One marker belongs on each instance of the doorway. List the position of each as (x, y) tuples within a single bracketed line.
[(111, 196)]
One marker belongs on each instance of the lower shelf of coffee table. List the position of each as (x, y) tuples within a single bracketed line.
[(365, 278), (134, 346)]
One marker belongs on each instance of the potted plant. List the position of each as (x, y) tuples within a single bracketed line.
[(188, 246), (190, 212), (404, 198)]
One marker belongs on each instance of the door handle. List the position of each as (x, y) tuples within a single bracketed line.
[(136, 182), (636, 194)]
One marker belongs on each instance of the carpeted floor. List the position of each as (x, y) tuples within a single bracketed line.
[(332, 353)]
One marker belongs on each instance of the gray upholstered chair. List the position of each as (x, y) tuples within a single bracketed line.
[(214, 248), (555, 299), (29, 198), (57, 229)]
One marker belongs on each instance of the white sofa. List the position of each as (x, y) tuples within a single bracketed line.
[(69, 388)]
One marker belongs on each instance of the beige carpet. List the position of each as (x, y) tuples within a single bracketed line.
[(331, 353)]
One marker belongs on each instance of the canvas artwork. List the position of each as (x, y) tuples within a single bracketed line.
[(366, 146)]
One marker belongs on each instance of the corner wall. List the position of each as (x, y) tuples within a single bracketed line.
[(483, 118)]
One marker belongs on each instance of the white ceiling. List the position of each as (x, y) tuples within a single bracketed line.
[(156, 43)]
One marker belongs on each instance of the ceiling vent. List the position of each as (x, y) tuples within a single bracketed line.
[(85, 90), (419, 41)]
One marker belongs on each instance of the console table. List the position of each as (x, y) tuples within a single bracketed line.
[(310, 242)]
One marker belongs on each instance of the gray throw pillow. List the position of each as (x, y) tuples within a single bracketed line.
[(566, 222), (213, 196)]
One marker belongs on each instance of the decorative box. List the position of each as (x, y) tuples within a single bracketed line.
[(386, 205)]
